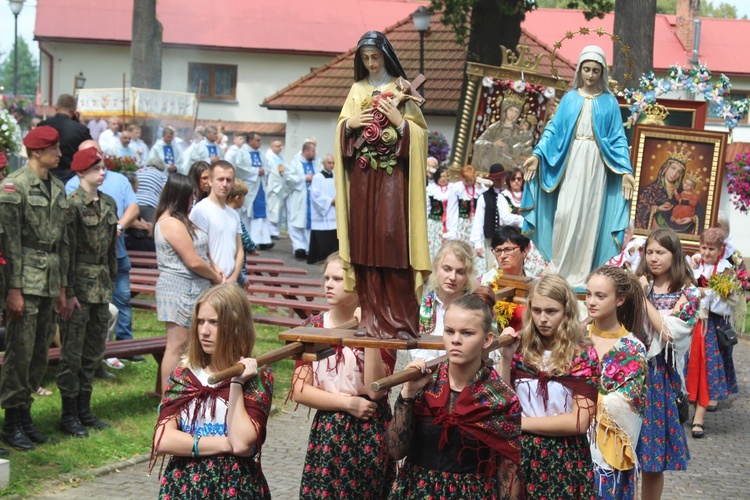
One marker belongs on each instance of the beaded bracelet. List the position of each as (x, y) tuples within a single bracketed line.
[(237, 382), (195, 446)]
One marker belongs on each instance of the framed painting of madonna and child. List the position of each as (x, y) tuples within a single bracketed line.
[(678, 175)]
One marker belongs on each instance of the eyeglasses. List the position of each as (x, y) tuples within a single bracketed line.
[(517, 179), (506, 250)]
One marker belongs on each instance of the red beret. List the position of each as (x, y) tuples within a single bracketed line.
[(41, 137), (85, 159)]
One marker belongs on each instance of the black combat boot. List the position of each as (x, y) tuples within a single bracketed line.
[(69, 422), (13, 431), (30, 429), (84, 412)]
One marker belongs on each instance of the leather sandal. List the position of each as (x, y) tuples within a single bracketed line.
[(712, 408), (698, 434)]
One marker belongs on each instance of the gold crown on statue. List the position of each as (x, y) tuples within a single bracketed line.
[(655, 113), (694, 177), (512, 97), (680, 153)]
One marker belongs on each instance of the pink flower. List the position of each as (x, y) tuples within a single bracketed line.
[(232, 492), (363, 162), (382, 148), (372, 133)]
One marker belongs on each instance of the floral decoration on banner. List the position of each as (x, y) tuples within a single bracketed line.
[(537, 101), (738, 182), (117, 164), (438, 147), (696, 80), (10, 134), (378, 149), (21, 108), (724, 285)]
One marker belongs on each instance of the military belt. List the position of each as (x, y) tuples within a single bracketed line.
[(90, 259), (42, 247)]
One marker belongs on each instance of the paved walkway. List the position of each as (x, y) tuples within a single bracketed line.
[(717, 469)]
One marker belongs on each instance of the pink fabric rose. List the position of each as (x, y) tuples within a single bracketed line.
[(372, 133), (382, 148)]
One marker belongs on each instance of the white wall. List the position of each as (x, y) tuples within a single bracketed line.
[(258, 75)]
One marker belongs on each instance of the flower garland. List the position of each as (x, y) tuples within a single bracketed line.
[(724, 285), (21, 107), (438, 147), (520, 87), (696, 80), (738, 182), (10, 134), (377, 150)]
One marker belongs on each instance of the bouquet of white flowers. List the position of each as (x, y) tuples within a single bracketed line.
[(10, 134)]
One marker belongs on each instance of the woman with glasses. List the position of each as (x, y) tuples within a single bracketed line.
[(515, 254)]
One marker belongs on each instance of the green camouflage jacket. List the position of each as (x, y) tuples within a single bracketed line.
[(35, 231), (92, 238)]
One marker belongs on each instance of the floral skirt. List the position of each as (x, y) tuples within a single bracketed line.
[(346, 457), (615, 485), (662, 444), (557, 467), (414, 481), (217, 477), (434, 236)]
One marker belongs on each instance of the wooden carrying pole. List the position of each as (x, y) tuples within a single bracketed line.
[(413, 373), (289, 350)]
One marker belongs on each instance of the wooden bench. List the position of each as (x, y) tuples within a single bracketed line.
[(286, 292), (265, 319), (124, 349), (284, 281), (251, 259), (251, 269)]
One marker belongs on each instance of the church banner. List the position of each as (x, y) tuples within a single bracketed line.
[(136, 103)]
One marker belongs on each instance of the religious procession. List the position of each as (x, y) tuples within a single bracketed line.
[(514, 275)]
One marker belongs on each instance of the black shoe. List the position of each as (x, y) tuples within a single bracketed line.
[(712, 408), (30, 429), (84, 413), (275, 238), (135, 359), (103, 374), (300, 254), (69, 422), (13, 431), (266, 246), (699, 433)]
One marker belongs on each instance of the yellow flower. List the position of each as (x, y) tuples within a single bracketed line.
[(389, 136), (503, 312)]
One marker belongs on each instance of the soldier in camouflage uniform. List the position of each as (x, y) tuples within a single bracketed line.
[(92, 236), (3, 269), (33, 208)]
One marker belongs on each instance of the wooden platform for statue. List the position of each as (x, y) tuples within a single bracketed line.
[(514, 287)]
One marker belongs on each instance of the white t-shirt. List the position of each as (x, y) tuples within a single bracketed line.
[(222, 226)]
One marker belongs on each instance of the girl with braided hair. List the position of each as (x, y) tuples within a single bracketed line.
[(616, 305)]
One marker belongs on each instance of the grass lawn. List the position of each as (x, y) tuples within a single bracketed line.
[(121, 403)]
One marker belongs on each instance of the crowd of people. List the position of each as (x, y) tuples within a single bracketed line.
[(587, 395)]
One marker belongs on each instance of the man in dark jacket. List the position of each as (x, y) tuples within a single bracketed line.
[(72, 134)]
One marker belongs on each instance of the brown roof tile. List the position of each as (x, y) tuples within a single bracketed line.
[(325, 88)]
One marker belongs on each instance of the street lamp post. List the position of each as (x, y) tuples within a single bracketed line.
[(421, 20), (15, 8)]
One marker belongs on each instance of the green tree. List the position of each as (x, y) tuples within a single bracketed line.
[(708, 9), (28, 70)]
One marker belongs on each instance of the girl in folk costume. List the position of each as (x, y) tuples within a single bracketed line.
[(348, 431), (672, 310), (438, 194), (458, 427), (215, 432), (710, 373), (453, 275), (555, 373), (462, 204), (616, 305)]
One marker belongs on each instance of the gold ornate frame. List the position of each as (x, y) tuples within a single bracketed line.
[(650, 140), (523, 65)]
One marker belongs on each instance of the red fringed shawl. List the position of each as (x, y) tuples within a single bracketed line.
[(487, 409), (183, 387)]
